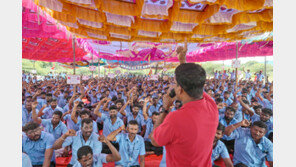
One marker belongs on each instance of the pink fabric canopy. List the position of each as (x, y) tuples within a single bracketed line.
[(226, 51), (44, 40)]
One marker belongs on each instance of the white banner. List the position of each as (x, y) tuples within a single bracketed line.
[(111, 75), (235, 63), (85, 77), (92, 68), (73, 79), (153, 77)]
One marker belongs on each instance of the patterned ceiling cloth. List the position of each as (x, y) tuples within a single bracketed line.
[(199, 21)]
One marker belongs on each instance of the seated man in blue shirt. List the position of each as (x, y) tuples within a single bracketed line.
[(131, 146), (227, 120), (251, 147), (86, 158), (265, 116), (53, 125), (82, 115), (135, 115), (38, 145), (84, 137), (111, 123), (49, 110), (150, 149), (219, 148)]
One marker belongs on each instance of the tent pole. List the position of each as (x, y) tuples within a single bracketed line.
[(73, 45), (236, 67), (265, 69), (92, 64), (99, 70)]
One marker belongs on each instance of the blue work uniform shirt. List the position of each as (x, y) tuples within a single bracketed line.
[(149, 128), (98, 160), (248, 152), (222, 120), (139, 119), (48, 111), (36, 149), (128, 150), (108, 126), (220, 150), (58, 131), (70, 123), (77, 141)]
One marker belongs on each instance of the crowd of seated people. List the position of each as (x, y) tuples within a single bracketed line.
[(59, 119)]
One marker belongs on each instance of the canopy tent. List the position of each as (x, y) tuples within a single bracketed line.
[(163, 20), (48, 30)]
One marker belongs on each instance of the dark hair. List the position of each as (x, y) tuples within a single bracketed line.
[(260, 124), (48, 94), (30, 126), (230, 109), (83, 112), (119, 101), (256, 107), (113, 107), (226, 92), (83, 151), (155, 113), (191, 77), (267, 111), (137, 105), (221, 127), (114, 98), (43, 93), (86, 121), (59, 113), (133, 122), (54, 100), (246, 102), (219, 100)]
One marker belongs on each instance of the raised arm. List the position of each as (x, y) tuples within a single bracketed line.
[(73, 114), (229, 129), (258, 94), (145, 108), (122, 112), (34, 115), (115, 156), (36, 94), (41, 111), (250, 112), (112, 135), (96, 111), (82, 92), (105, 107), (59, 142)]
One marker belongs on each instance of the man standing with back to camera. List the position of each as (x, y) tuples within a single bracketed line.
[(187, 133)]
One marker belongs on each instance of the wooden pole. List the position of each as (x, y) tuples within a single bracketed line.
[(73, 45), (92, 64), (236, 67), (265, 69)]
